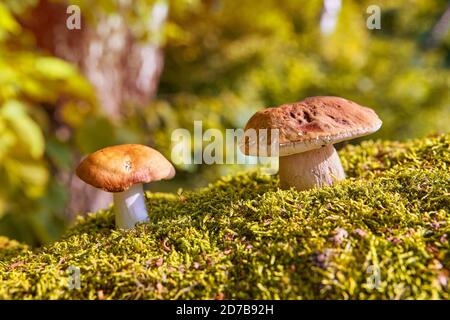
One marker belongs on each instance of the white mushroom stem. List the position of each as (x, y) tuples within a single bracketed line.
[(310, 169), (129, 207)]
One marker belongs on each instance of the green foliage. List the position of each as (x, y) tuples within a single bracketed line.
[(243, 238), (31, 200), (227, 59)]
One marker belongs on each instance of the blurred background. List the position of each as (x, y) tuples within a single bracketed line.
[(137, 70)]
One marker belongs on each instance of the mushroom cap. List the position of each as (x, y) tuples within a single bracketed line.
[(310, 124), (117, 168)]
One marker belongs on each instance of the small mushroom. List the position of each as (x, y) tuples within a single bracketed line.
[(307, 131), (122, 170)]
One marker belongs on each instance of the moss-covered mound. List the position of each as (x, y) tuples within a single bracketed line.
[(383, 233)]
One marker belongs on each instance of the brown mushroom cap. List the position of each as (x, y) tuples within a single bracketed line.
[(313, 123), (117, 168)]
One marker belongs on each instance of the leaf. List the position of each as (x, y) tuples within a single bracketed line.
[(59, 153), (31, 176), (2, 204), (54, 199), (54, 68), (39, 90), (94, 134), (26, 129), (78, 86), (7, 22), (74, 113), (7, 138)]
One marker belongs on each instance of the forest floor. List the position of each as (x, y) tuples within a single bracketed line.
[(382, 233)]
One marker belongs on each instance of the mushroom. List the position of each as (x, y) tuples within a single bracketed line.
[(307, 131), (122, 170)]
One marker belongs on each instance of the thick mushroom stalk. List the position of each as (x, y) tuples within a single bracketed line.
[(129, 207), (307, 131), (314, 168)]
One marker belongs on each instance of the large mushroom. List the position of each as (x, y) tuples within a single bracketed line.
[(122, 170), (307, 131)]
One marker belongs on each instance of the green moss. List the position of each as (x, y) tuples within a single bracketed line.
[(242, 237), (10, 248)]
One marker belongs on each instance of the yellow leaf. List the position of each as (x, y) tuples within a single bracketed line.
[(54, 68), (7, 21), (29, 134), (31, 176)]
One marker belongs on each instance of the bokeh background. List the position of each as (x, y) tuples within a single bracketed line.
[(137, 70)]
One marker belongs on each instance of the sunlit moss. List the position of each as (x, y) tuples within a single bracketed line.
[(242, 237), (10, 248)]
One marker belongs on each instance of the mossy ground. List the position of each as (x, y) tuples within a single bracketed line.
[(242, 237)]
